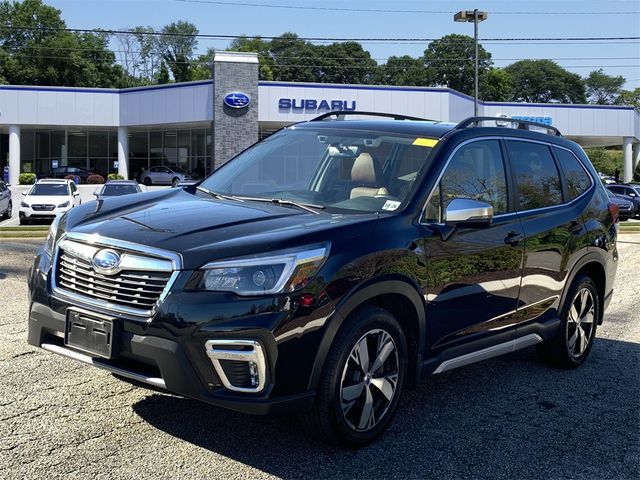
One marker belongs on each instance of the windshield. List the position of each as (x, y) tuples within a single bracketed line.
[(338, 169), (50, 189), (117, 190)]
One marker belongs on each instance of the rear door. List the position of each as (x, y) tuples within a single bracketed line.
[(549, 201), (474, 274)]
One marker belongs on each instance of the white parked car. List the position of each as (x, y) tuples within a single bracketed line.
[(48, 198), (163, 175)]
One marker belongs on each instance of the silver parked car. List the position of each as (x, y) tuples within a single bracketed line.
[(164, 175), (5, 201)]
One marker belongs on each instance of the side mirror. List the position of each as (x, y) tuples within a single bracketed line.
[(24, 194), (95, 194), (464, 212), (75, 194)]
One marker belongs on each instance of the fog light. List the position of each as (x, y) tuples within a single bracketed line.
[(238, 363)]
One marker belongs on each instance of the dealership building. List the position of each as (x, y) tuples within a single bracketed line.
[(200, 125)]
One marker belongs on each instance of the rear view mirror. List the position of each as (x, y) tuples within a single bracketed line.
[(464, 212)]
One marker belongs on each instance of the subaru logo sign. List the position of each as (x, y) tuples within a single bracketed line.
[(237, 100), (106, 260)]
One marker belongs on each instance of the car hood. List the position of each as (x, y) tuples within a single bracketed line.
[(202, 229), (47, 199)]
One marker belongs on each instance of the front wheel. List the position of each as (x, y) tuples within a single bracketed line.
[(175, 182), (362, 380), (579, 319), (7, 214), (147, 181)]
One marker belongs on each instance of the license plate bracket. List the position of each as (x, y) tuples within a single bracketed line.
[(91, 334)]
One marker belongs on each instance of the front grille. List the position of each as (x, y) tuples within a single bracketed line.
[(135, 289), (43, 208)]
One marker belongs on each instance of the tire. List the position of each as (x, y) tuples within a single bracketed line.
[(7, 215), (147, 181), (24, 221), (175, 182), (571, 346), (345, 387)]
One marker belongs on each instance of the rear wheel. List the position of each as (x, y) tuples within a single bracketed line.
[(362, 380), (7, 214), (571, 346), (147, 181), (175, 182)]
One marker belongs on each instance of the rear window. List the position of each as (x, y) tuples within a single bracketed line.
[(117, 190), (537, 176), (576, 177)]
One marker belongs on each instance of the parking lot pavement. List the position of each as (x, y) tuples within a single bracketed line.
[(86, 195), (506, 418)]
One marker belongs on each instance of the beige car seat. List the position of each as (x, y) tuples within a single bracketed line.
[(366, 175)]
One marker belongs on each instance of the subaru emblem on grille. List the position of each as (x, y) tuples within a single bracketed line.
[(106, 260)]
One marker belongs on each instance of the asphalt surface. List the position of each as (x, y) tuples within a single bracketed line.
[(511, 417)]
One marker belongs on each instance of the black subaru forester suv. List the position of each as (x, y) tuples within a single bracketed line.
[(335, 263)]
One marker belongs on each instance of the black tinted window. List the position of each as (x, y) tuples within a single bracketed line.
[(117, 190), (537, 176), (476, 171), (576, 177)]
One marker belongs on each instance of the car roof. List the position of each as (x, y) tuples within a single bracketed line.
[(122, 182), (53, 180), (406, 127)]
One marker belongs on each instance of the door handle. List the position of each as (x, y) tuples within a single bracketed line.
[(513, 238)]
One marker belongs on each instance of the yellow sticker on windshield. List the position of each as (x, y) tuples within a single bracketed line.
[(425, 142)]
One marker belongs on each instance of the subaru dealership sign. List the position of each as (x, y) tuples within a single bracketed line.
[(237, 100), (312, 105)]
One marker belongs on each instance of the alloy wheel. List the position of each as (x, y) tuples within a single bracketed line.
[(369, 380), (580, 322)]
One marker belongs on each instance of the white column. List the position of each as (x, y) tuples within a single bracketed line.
[(14, 154), (636, 155), (123, 152), (628, 167)]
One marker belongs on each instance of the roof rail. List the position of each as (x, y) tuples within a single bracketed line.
[(522, 124), (342, 113)]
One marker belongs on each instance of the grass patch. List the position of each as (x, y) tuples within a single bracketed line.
[(41, 235), (37, 228)]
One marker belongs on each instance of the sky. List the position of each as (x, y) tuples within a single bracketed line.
[(506, 19)]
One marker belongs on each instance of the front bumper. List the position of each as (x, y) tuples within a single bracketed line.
[(29, 213)]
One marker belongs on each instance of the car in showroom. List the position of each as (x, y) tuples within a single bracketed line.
[(117, 188), (61, 172), (48, 198), (335, 264), (628, 191), (625, 205), (6, 206), (165, 175)]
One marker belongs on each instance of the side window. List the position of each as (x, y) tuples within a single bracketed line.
[(576, 177), (537, 177), (476, 171)]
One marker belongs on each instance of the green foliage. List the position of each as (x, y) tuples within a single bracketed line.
[(603, 89), (27, 178), (176, 47), (346, 62), (496, 85), (259, 46), (606, 161), (404, 70), (628, 97), (295, 60), (450, 62), (114, 176), (543, 81), (95, 179)]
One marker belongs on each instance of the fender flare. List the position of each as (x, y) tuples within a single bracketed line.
[(589, 257), (355, 299)]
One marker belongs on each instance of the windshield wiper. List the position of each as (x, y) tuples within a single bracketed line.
[(220, 195), (309, 207)]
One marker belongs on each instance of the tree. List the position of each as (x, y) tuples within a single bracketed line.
[(628, 97), (177, 44), (261, 47), (404, 70), (544, 81), (345, 62), (294, 59), (496, 85), (450, 62), (603, 89)]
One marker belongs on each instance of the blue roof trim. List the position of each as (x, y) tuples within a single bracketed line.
[(166, 85), (104, 90)]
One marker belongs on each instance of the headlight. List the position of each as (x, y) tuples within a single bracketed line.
[(63, 205), (278, 272), (24, 204), (53, 234)]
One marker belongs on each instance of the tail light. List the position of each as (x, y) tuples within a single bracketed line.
[(614, 210)]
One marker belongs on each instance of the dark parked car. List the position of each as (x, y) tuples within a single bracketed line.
[(117, 188), (625, 205), (62, 172), (334, 264), (6, 206), (629, 192)]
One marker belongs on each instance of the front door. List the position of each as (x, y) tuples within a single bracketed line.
[(473, 273)]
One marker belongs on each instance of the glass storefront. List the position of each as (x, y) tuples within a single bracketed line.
[(97, 150)]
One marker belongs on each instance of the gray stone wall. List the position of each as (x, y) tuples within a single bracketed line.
[(233, 129)]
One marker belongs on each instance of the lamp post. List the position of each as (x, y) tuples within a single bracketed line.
[(476, 17)]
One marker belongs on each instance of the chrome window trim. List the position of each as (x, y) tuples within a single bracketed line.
[(105, 306), (517, 212)]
